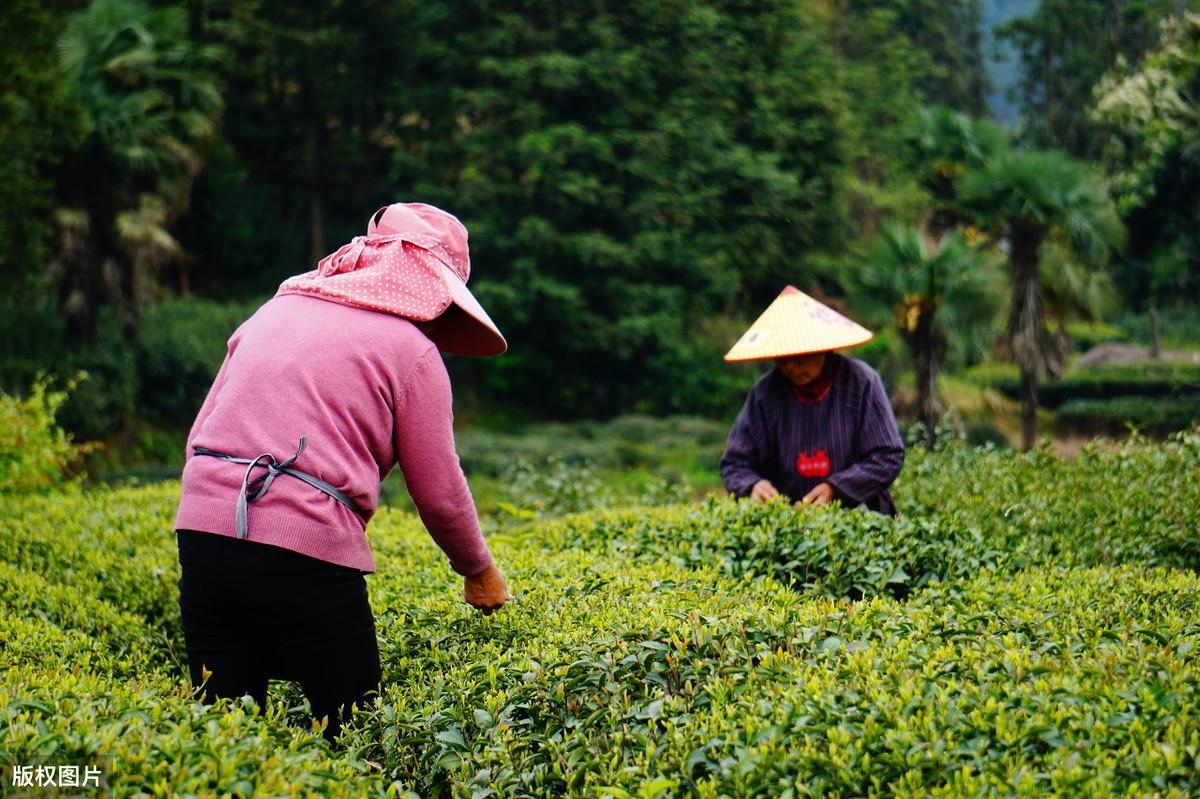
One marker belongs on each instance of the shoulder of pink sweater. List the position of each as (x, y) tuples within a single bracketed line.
[(393, 341)]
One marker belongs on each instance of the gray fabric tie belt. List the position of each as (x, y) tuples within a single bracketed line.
[(253, 489)]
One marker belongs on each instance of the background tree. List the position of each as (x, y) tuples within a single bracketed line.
[(1150, 117), (946, 143), (312, 123), (930, 291), (37, 122), (626, 174), (1072, 292), (946, 38), (1024, 197), (150, 102), (1065, 47)]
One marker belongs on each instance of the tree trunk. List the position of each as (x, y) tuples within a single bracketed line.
[(1026, 321), (1155, 333), (81, 288), (925, 353), (185, 284), (316, 212), (312, 161), (1028, 408), (129, 288)]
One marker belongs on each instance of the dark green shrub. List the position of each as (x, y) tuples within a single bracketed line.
[(181, 344), (1179, 326), (1085, 335), (980, 433), (1159, 378), (1155, 415)]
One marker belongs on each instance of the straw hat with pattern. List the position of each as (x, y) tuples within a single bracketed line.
[(796, 324)]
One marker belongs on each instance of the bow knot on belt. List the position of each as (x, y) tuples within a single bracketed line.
[(254, 488)]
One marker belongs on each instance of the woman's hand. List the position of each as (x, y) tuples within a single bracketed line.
[(486, 590), (821, 495), (763, 490)]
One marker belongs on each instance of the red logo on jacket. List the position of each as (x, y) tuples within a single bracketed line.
[(815, 465)]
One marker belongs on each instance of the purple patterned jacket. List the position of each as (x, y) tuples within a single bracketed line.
[(848, 439)]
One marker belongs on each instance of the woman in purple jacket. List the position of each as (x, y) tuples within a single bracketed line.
[(819, 425)]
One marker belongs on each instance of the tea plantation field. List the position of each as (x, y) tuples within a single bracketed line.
[(1027, 627)]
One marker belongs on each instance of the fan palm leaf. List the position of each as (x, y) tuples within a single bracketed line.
[(932, 291), (151, 102), (1027, 198)]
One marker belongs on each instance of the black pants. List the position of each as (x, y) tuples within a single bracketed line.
[(252, 612)]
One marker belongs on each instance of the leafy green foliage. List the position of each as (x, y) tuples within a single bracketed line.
[(1085, 335), (625, 176), (36, 122), (35, 453), (181, 344), (1066, 47), (150, 103), (645, 656), (1079, 679), (553, 468), (945, 143), (1148, 113), (1179, 327), (932, 293), (1034, 199)]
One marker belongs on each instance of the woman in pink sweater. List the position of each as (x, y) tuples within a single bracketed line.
[(331, 383)]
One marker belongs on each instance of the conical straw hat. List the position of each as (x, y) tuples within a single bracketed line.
[(796, 324)]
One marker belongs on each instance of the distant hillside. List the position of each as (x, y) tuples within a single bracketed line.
[(1003, 69)]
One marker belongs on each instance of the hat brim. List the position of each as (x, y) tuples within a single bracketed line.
[(789, 352), (796, 324), (465, 328)]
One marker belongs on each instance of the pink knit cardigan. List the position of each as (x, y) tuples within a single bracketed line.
[(370, 392)]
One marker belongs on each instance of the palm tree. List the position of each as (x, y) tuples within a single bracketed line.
[(1024, 198), (946, 144), (150, 102), (930, 290)]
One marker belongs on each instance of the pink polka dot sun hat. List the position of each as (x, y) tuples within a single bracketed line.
[(413, 262)]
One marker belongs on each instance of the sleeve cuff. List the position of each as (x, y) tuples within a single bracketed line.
[(473, 568), (841, 493)]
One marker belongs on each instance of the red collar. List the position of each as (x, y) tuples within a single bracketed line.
[(818, 389)]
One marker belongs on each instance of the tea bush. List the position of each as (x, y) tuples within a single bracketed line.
[(1115, 502), (1026, 628), (853, 553), (35, 453), (164, 743), (1085, 335), (963, 509), (655, 682)]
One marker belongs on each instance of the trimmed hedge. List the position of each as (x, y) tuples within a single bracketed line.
[(1154, 415), (1161, 378)]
